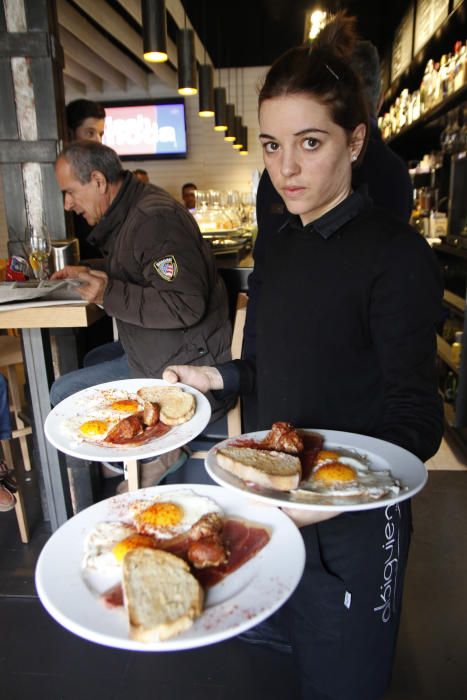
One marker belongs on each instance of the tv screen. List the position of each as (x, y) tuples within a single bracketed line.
[(145, 130)]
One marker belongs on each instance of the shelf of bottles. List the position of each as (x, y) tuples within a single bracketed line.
[(444, 84)]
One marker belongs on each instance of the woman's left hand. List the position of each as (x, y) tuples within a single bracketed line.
[(301, 518)]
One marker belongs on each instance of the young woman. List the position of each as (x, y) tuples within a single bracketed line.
[(346, 302)]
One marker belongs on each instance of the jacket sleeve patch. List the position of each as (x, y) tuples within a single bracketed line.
[(166, 268)]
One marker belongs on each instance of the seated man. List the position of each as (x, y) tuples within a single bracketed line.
[(158, 277)]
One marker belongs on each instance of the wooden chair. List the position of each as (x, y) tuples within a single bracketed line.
[(234, 418), (11, 355)]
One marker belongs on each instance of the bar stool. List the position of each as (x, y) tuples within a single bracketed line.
[(11, 355)]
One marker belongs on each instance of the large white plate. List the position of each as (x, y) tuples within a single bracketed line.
[(403, 465), (176, 437), (242, 600)]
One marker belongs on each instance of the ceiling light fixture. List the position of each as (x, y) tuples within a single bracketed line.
[(230, 118), (316, 21), (220, 112), (154, 31), (238, 133), (206, 91), (186, 62), (244, 149)]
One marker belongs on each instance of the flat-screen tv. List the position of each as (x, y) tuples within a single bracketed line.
[(146, 129)]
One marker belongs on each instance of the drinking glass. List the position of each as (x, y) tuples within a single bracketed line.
[(39, 248)]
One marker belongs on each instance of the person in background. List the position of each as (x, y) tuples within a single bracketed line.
[(8, 484), (142, 175), (85, 120), (158, 276), (345, 339), (188, 195)]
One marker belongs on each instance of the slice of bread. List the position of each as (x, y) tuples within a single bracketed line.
[(161, 596), (275, 470), (176, 405)]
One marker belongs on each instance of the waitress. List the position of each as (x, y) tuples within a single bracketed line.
[(347, 307)]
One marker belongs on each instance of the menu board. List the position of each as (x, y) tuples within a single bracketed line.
[(430, 14), (402, 45)]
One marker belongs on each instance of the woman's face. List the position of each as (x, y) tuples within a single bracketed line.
[(90, 129), (307, 155)]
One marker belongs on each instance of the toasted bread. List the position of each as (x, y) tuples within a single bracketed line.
[(176, 405), (275, 470), (161, 596)]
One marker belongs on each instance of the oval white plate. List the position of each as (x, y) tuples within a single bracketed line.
[(403, 465), (242, 600), (176, 437)]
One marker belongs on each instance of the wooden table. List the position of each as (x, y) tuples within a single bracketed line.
[(35, 323)]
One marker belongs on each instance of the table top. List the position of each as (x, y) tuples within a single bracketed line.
[(76, 315)]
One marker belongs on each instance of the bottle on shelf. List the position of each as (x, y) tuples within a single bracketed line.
[(456, 348)]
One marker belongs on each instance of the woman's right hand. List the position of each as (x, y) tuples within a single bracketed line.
[(202, 378)]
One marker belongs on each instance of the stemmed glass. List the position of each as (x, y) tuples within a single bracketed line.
[(39, 248)]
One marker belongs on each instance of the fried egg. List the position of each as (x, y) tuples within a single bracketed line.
[(349, 477), (99, 544), (170, 515), (99, 412)]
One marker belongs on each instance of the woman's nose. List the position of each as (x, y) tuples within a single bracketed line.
[(289, 165)]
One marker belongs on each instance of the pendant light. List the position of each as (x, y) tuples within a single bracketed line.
[(205, 78), (220, 111), (244, 149), (206, 91), (237, 120), (154, 31), (238, 133), (230, 114), (186, 62)]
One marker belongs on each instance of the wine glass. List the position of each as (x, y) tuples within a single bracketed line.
[(39, 248)]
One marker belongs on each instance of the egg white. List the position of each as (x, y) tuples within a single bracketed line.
[(98, 545), (192, 505)]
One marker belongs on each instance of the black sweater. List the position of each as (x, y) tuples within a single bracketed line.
[(345, 328)]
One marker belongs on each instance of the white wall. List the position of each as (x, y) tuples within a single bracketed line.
[(212, 163)]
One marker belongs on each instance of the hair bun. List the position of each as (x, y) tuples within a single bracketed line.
[(338, 37)]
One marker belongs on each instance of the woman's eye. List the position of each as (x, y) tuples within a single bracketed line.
[(311, 144), (270, 147)]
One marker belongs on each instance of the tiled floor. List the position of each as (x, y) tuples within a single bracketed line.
[(40, 660)]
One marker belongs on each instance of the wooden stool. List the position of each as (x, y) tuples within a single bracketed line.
[(11, 355)]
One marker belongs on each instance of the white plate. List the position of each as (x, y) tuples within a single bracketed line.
[(242, 600), (177, 436), (403, 465)]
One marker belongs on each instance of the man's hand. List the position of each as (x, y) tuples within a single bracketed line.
[(93, 285), (69, 271), (302, 518), (202, 378)]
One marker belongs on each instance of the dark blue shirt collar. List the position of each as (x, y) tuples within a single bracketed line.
[(333, 220)]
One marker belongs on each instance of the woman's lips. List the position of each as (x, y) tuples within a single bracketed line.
[(293, 191)]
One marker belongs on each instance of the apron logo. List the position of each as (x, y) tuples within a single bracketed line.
[(167, 268)]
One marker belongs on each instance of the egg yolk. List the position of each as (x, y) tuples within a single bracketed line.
[(332, 472), (160, 515), (132, 542), (125, 405), (326, 455), (94, 427)]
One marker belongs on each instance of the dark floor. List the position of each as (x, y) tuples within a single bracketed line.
[(39, 659)]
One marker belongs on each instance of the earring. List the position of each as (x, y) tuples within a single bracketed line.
[(354, 158)]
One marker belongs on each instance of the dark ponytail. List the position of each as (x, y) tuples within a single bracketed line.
[(323, 71)]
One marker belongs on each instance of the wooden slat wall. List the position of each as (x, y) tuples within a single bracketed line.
[(212, 163)]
